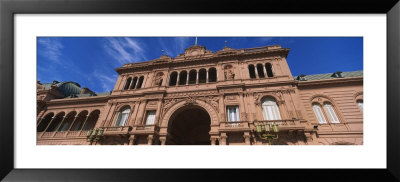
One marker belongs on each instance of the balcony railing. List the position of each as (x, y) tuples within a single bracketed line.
[(116, 130), (282, 124), (62, 134), (234, 126), (145, 129)]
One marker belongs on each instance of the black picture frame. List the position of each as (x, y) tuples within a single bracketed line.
[(8, 8)]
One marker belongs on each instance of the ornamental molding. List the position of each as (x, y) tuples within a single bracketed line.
[(193, 93)]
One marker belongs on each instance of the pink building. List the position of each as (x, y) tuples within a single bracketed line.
[(228, 97)]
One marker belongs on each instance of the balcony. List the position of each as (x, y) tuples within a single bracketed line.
[(232, 126), (284, 125), (61, 134), (144, 129), (116, 130)]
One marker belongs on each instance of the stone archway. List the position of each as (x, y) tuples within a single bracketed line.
[(189, 125)]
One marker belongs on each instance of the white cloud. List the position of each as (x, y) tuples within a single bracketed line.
[(125, 50), (51, 48), (177, 46), (106, 82)]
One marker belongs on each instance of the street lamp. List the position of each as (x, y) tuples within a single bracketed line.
[(266, 133), (94, 135)]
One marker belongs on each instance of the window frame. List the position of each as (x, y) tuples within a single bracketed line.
[(276, 106), (119, 117), (237, 115)]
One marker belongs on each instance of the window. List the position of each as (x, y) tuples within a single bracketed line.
[(268, 67), (192, 76), (139, 84), (134, 81), (172, 78), (122, 117), (252, 72), (318, 112), (331, 113), (212, 75), (360, 105), (270, 109), (233, 113), (260, 70), (128, 81), (150, 117), (182, 77), (202, 75)]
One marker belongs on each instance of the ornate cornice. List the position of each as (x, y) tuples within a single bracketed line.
[(330, 81), (201, 55)]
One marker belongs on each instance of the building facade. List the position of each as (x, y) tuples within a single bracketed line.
[(228, 97)]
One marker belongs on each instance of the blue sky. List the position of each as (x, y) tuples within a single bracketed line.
[(91, 61)]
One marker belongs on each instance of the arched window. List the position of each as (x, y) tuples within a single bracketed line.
[(92, 120), (260, 70), (128, 81), (140, 82), (182, 77), (122, 117), (252, 72), (202, 75), (134, 81), (80, 119), (331, 113), (270, 109), (268, 67), (318, 112), (67, 121), (55, 122), (44, 122), (172, 78), (192, 76), (212, 75), (360, 105)]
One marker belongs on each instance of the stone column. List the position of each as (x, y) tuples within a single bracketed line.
[(108, 118), (51, 121), (62, 121), (214, 139), (207, 77), (187, 78), (84, 123), (116, 86), (266, 72), (121, 84), (177, 79), (158, 112), (72, 124), (255, 70), (221, 108), (141, 112), (197, 77), (246, 136), (41, 119), (163, 139), (242, 107), (131, 139), (150, 140), (223, 139)]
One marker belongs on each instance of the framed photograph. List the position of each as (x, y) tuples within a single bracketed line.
[(138, 93)]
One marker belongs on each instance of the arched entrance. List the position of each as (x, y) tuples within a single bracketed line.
[(189, 125)]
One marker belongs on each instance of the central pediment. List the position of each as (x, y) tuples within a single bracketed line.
[(196, 50)]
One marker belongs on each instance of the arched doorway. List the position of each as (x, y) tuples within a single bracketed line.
[(189, 125)]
